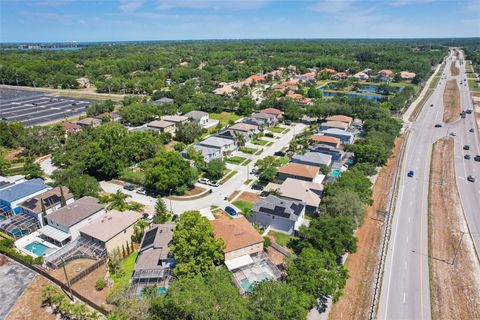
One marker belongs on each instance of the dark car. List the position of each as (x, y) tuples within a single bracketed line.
[(257, 187), (471, 178), (438, 125), (279, 154), (231, 211), (431, 105), (466, 147), (467, 156), (129, 187), (471, 130), (410, 173), (477, 157)]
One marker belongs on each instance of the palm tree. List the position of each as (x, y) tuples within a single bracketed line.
[(48, 292), (79, 310), (118, 201)]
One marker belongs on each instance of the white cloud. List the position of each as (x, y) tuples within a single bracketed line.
[(130, 5), (212, 4)]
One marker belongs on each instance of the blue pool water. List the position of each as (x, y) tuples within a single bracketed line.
[(19, 232), (36, 248), (161, 291), (246, 285), (335, 173), (2, 218), (349, 162)]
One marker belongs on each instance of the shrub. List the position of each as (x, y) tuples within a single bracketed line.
[(266, 242), (100, 284)]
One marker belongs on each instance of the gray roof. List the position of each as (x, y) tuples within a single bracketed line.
[(22, 190), (314, 157), (197, 115), (161, 101), (261, 115), (155, 246), (320, 146), (215, 141), (337, 132), (75, 212), (206, 150), (279, 207)]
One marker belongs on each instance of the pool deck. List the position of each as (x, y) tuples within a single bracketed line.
[(21, 243)]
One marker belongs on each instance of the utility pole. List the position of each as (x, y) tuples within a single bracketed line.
[(170, 198), (68, 280)]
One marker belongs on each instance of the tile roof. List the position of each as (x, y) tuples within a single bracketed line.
[(75, 212), (50, 199), (280, 207), (261, 115), (335, 124), (23, 189), (243, 127), (298, 169), (110, 225), (300, 190), (340, 118), (70, 127), (236, 233), (327, 139), (386, 72)]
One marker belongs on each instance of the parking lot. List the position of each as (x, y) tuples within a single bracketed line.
[(36, 108)]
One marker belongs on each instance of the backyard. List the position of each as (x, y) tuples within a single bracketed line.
[(245, 206), (125, 270), (225, 117), (280, 238)]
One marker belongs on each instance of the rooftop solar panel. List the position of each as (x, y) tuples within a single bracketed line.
[(149, 238)]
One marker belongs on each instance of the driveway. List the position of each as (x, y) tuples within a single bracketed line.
[(219, 194), (14, 278)]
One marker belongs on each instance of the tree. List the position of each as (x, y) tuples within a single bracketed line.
[(329, 234), (271, 300), (353, 180), (4, 165), (83, 185), (212, 296), (32, 170), (317, 274), (246, 105), (194, 246), (139, 230), (196, 156), (345, 203), (188, 132), (161, 212), (117, 201), (215, 168), (268, 174)]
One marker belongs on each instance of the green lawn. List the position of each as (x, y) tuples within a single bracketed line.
[(247, 150), (276, 129), (246, 162), (282, 239), (281, 161), (259, 152), (125, 272), (224, 117), (228, 176), (473, 85), (236, 159), (259, 142), (245, 206)]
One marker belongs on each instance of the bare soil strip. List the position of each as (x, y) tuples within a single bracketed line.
[(454, 70), (451, 102), (362, 265), (454, 282)]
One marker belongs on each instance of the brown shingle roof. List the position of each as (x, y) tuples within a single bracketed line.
[(327, 139), (76, 212), (236, 233), (340, 118), (336, 124), (298, 169)]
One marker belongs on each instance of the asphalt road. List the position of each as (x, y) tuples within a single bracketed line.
[(405, 292)]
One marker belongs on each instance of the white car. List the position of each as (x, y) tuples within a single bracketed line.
[(214, 184), (204, 181), (141, 191)]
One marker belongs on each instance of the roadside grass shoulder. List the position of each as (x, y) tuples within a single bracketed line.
[(227, 177)]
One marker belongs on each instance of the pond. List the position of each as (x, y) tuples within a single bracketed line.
[(373, 97)]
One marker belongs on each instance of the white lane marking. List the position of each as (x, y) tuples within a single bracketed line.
[(407, 239), (405, 265), (404, 296)]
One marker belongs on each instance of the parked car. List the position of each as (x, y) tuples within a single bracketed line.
[(466, 147), (469, 110), (471, 178), (410, 173), (231, 211), (438, 125), (257, 187), (453, 134), (204, 181), (129, 187), (477, 157), (471, 130), (467, 156), (214, 183), (279, 154), (141, 191)]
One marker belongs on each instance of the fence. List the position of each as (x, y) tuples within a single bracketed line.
[(87, 271), (60, 284)]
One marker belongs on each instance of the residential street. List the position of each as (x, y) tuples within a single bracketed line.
[(217, 197), (405, 292)]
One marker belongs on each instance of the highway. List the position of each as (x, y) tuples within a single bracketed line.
[(405, 291)]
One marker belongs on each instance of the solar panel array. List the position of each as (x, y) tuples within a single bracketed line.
[(38, 108), (149, 238)]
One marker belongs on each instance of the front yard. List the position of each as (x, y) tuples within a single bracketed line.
[(245, 206), (259, 142), (276, 129), (247, 150), (236, 159)]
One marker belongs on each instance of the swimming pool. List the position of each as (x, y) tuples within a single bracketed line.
[(335, 173), (36, 248), (19, 232)]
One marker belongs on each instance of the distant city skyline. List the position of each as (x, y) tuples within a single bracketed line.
[(142, 20)]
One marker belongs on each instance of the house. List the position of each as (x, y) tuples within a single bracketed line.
[(344, 136), (331, 141), (278, 114), (264, 118), (308, 192), (361, 76), (70, 128), (112, 231), (177, 120), (199, 117), (64, 224), (341, 118), (279, 214), (45, 203), (315, 159), (245, 129), (89, 122), (6, 182), (224, 144), (340, 76), (385, 73), (259, 123), (336, 154), (309, 120), (298, 171), (405, 75), (162, 126), (15, 194), (310, 76), (154, 263), (239, 236), (255, 77), (161, 101), (328, 70), (209, 153), (113, 116), (333, 125)]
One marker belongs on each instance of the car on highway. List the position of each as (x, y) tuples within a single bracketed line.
[(469, 111), (231, 211), (471, 130), (438, 125), (129, 187), (477, 158), (466, 147), (467, 156), (410, 173), (204, 181), (471, 178), (453, 134), (431, 105)]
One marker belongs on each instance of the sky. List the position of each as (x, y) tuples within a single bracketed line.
[(125, 20)]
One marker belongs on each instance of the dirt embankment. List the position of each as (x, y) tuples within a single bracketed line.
[(362, 265), (451, 102), (454, 269), (454, 70)]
